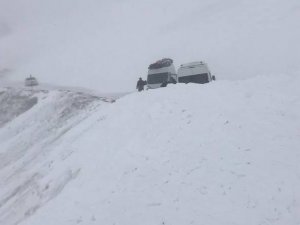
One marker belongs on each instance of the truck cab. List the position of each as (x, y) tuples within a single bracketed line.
[(195, 72), (161, 73), (31, 81)]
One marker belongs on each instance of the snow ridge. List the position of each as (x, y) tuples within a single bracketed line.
[(222, 153), (32, 123)]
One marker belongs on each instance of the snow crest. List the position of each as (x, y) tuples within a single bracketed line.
[(221, 153), (32, 123)]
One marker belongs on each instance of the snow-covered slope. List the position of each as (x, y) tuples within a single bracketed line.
[(32, 123), (221, 153)]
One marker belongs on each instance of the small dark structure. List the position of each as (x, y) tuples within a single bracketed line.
[(31, 81)]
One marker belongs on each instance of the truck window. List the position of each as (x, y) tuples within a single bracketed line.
[(157, 78), (198, 78)]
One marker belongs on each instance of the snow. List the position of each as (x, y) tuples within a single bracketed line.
[(226, 152), (32, 122)]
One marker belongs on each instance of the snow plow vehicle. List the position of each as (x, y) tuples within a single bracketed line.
[(161, 73), (31, 81), (194, 72)]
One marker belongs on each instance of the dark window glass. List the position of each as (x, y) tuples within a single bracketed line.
[(157, 78), (198, 78)]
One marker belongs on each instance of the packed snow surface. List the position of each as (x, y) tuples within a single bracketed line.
[(32, 122), (220, 153)]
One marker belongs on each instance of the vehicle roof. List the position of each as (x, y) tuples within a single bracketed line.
[(192, 68), (192, 64), (168, 69), (30, 78), (165, 62)]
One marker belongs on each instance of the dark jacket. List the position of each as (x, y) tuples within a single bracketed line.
[(140, 84)]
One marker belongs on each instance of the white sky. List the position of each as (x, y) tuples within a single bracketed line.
[(107, 45)]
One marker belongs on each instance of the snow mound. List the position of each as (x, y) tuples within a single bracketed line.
[(32, 122), (220, 153)]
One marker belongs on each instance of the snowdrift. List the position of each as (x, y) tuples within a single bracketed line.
[(220, 153), (32, 123)]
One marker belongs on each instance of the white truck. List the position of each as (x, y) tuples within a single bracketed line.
[(194, 72), (31, 81), (161, 73)]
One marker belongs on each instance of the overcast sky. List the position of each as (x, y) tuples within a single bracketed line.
[(107, 45)]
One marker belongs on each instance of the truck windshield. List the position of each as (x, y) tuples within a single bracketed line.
[(198, 78), (157, 78)]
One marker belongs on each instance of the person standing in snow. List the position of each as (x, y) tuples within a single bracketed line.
[(140, 84)]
